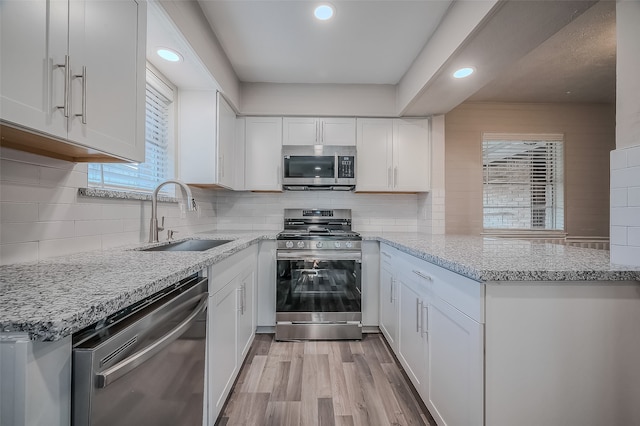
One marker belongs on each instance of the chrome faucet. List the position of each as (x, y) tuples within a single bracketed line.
[(191, 206)]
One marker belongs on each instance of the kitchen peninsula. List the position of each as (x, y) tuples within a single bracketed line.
[(557, 325)]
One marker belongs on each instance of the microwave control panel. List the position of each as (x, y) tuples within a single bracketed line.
[(346, 167)]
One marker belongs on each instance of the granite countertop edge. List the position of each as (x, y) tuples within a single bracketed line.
[(56, 297)]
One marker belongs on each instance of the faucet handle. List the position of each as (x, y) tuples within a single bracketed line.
[(170, 233)]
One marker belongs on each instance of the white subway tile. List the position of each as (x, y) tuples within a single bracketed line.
[(633, 197), (35, 231), (97, 227), (50, 212), (18, 212), (17, 253), (633, 236), (618, 235), (12, 191), (13, 171), (618, 197), (61, 247), (625, 216), (618, 159), (633, 156), (625, 255), (52, 177), (123, 238)]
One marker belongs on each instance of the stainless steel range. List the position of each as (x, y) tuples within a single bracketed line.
[(319, 283)]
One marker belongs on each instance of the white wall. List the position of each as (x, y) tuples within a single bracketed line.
[(625, 160), (362, 100), (41, 214)]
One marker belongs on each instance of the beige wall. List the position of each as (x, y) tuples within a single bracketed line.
[(589, 131)]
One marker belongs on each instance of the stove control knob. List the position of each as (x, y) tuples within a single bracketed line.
[(300, 244), (337, 244), (349, 244), (319, 244), (289, 244)]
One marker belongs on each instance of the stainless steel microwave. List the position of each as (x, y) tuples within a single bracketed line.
[(309, 167)]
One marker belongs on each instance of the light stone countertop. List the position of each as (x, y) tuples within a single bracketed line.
[(53, 298)]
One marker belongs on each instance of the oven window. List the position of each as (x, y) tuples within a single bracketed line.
[(318, 286), (302, 166)]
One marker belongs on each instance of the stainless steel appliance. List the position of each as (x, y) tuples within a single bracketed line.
[(319, 167), (319, 282), (145, 364)]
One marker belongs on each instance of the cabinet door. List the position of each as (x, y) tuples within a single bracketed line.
[(263, 145), (338, 131), (246, 319), (411, 155), (456, 366), (107, 47), (388, 312), (412, 347), (300, 131), (226, 139), (33, 40), (374, 164), (222, 345)]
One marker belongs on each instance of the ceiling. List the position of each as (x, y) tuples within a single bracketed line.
[(577, 64), (366, 42), (376, 42)]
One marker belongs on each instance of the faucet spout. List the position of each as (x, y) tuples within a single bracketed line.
[(190, 201)]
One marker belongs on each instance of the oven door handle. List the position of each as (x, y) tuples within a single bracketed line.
[(133, 361), (318, 255)]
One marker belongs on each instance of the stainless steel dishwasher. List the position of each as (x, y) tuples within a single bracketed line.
[(144, 365)]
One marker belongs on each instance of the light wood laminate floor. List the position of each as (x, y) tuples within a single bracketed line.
[(321, 383)]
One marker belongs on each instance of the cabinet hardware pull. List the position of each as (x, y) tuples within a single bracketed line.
[(389, 178), (422, 275), (239, 292), (425, 316), (67, 82), (418, 312), (395, 176), (317, 131), (391, 290), (83, 76), (322, 132)]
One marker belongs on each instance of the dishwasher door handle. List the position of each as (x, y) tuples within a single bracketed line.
[(112, 374)]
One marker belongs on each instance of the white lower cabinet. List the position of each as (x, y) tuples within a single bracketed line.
[(232, 324), (412, 337), (388, 315), (456, 366), (432, 319)]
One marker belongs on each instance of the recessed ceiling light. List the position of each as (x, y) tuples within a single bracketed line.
[(463, 72), (324, 12), (169, 55)]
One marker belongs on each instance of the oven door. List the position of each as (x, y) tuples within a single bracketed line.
[(319, 282)]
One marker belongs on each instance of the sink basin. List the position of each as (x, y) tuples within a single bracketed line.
[(189, 245)]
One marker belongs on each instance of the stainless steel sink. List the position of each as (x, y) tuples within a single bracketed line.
[(189, 245)]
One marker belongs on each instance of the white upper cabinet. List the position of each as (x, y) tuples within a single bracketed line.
[(315, 131), (209, 152), (393, 155), (77, 74), (226, 141), (263, 152)]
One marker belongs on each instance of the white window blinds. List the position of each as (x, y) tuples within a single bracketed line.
[(157, 166), (523, 181)]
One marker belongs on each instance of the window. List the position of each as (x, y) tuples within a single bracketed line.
[(158, 165), (523, 181)]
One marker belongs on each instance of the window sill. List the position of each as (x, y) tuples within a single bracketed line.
[(122, 195)]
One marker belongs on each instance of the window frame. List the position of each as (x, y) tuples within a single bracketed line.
[(162, 86), (559, 183)]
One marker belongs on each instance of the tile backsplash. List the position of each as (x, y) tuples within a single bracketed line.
[(625, 206), (42, 215)]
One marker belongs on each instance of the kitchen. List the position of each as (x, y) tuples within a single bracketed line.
[(43, 216)]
